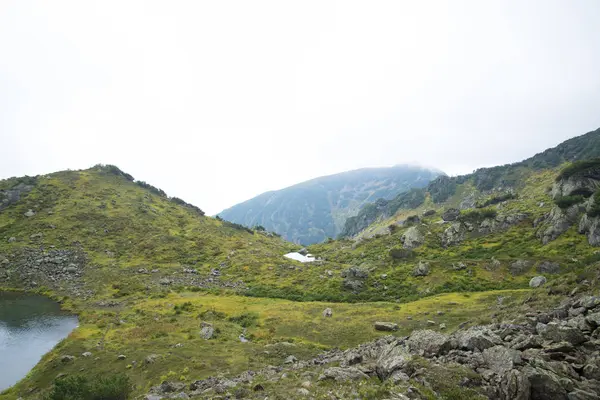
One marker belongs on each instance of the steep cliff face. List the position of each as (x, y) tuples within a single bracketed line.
[(312, 211)]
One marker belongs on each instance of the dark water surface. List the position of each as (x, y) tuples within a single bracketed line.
[(30, 326)]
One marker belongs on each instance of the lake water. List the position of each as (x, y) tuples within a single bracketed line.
[(30, 326)]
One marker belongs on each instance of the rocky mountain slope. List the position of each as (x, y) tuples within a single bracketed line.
[(488, 293), (506, 178), (312, 211)]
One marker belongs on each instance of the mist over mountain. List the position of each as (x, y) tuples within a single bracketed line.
[(312, 211)]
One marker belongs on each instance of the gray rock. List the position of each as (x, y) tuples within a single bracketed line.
[(548, 267), (412, 238), (207, 331), (537, 281), (342, 374), (545, 385), (12, 239), (151, 359), (86, 354), (303, 251), (121, 357), (477, 338), (290, 360), (593, 319), (582, 395), (303, 392), (29, 213), (501, 359), (421, 269), (450, 214), (165, 281), (429, 343), (386, 326), (67, 359), (515, 386), (591, 227), (392, 358), (558, 222), (454, 234), (558, 333), (328, 312), (519, 267)]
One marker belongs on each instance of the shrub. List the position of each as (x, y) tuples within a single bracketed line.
[(180, 202), (151, 188), (401, 254), (245, 319), (496, 199), (577, 168), (567, 201), (80, 387), (114, 170)]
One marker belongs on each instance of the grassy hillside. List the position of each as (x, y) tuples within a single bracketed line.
[(312, 211), (503, 178)]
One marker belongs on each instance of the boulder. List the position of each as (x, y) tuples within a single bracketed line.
[(429, 343), (558, 222), (515, 386), (519, 267), (328, 312), (386, 326), (207, 331), (421, 269), (290, 360), (501, 359), (544, 385), (454, 234), (412, 238), (342, 374), (450, 214), (558, 333), (29, 213), (477, 338), (392, 358), (537, 281), (548, 267)]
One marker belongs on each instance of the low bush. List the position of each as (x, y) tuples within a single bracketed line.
[(567, 201), (578, 167), (81, 387)]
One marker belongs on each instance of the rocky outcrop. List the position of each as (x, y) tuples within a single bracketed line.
[(13, 195), (590, 226), (354, 278), (421, 269), (558, 222), (454, 234), (451, 214), (412, 238), (545, 357)]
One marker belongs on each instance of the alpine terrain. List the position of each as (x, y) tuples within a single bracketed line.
[(481, 286), (315, 210)]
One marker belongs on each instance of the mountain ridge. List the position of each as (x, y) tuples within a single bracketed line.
[(313, 210)]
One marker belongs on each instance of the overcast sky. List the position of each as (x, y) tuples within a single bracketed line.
[(218, 101)]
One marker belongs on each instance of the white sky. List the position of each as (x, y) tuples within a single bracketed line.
[(218, 101)]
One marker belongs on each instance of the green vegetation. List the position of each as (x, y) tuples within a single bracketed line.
[(578, 168), (567, 201), (152, 272), (81, 387)]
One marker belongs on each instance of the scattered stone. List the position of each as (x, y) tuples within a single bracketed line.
[(67, 359), (29, 213), (121, 357), (207, 331), (87, 354), (290, 360), (343, 374), (548, 267), (537, 281), (386, 326), (501, 359), (429, 343), (421, 269), (451, 214), (12, 239), (328, 312)]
